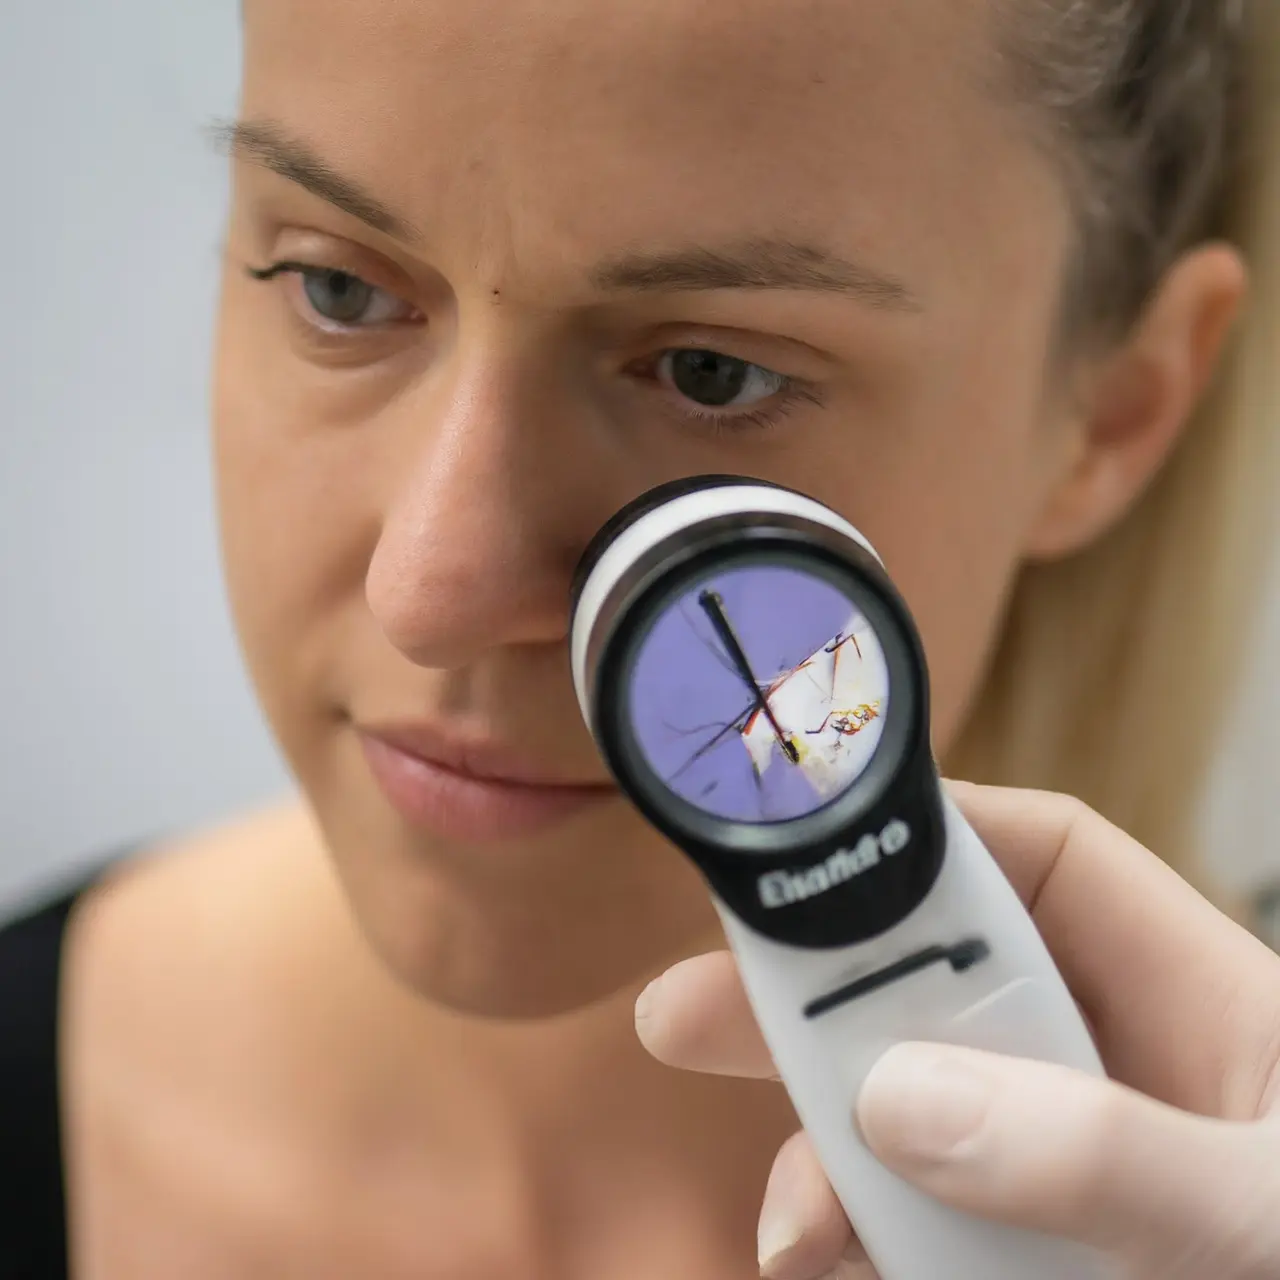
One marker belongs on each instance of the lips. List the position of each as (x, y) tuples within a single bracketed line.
[(471, 789)]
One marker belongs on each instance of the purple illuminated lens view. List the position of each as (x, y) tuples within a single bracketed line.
[(760, 694)]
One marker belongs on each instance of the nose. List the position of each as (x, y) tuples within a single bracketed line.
[(487, 517)]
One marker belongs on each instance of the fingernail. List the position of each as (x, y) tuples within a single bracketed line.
[(925, 1102), (645, 1001), (782, 1221), (780, 1232)]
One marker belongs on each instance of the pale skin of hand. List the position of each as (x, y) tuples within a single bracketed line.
[(1172, 1166)]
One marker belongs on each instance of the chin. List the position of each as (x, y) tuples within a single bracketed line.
[(523, 930)]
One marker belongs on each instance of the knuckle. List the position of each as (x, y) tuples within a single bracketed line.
[(1077, 816)]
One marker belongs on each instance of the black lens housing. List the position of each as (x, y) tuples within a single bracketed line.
[(898, 792)]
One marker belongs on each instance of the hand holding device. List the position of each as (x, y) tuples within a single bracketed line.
[(1176, 1189)]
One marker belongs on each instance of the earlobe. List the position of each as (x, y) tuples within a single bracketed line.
[(1136, 401)]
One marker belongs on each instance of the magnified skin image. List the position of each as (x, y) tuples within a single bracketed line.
[(759, 694)]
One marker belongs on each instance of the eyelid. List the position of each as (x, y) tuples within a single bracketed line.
[(298, 301), (759, 415), (323, 251), (774, 351), (284, 267)]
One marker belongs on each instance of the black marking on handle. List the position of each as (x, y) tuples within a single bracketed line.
[(964, 955)]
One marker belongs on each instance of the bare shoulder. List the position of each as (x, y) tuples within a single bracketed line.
[(166, 915), (177, 1043), (177, 962)]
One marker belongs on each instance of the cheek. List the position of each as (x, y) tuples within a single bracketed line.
[(298, 526), (946, 497), (955, 558)]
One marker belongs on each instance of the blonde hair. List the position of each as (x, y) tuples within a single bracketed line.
[(1117, 666)]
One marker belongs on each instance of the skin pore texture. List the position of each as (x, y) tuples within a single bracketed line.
[(331, 1041)]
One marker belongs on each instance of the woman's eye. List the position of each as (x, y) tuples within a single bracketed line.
[(337, 300), (347, 301), (718, 381)]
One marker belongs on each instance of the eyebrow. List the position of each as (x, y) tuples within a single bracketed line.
[(756, 264), (763, 263), (264, 143)]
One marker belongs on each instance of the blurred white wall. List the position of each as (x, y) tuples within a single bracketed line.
[(123, 710), (1242, 818)]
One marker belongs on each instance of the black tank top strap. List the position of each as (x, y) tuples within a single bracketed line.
[(33, 1227)]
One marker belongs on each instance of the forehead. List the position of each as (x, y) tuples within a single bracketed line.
[(568, 122)]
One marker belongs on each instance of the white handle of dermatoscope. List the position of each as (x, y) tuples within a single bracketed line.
[(1013, 1002)]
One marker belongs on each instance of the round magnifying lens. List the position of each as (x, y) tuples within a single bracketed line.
[(758, 693), (758, 689)]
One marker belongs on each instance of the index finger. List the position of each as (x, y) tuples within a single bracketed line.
[(1185, 1003)]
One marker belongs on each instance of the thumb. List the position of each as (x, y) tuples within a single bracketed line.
[(1052, 1150)]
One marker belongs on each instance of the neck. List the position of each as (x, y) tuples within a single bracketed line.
[(568, 1099)]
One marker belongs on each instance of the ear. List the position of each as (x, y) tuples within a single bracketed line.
[(1137, 400)]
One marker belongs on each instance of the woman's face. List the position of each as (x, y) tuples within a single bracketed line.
[(557, 252)]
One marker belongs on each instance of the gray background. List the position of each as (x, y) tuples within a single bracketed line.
[(124, 709)]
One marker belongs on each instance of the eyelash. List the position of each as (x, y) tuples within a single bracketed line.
[(791, 392), (321, 324)]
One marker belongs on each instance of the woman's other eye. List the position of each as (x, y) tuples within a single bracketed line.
[(714, 381), (338, 301), (724, 392)]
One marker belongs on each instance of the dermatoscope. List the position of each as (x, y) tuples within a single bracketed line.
[(759, 691)]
